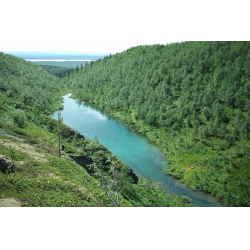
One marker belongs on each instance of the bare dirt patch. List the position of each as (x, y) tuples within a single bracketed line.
[(9, 202), (25, 148)]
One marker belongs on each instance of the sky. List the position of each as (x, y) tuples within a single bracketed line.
[(105, 47)]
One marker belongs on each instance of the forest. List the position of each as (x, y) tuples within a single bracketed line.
[(57, 70), (190, 98), (29, 84), (62, 64), (38, 154)]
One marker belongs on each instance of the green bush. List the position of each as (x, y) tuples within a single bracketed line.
[(19, 120), (173, 172)]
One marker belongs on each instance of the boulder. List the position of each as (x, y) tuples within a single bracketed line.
[(83, 161), (71, 132), (79, 136), (6, 167), (133, 175)]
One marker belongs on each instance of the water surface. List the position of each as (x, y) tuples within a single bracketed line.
[(145, 158)]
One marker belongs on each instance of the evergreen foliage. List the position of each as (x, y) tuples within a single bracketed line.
[(30, 84), (192, 99), (57, 71)]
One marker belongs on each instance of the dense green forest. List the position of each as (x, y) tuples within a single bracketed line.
[(57, 71), (63, 64), (30, 84), (192, 99), (37, 152)]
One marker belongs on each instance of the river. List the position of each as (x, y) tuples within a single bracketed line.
[(145, 158)]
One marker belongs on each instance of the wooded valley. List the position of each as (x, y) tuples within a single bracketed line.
[(191, 98)]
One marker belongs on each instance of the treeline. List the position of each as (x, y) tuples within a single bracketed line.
[(191, 98), (61, 71), (30, 84), (57, 71), (63, 64)]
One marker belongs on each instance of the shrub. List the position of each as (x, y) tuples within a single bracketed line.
[(19, 120), (173, 172)]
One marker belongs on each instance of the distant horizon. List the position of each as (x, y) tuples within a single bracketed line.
[(53, 51), (60, 56), (56, 60), (71, 48)]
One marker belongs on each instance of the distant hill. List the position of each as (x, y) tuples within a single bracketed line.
[(29, 84)]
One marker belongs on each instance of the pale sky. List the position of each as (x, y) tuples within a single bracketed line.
[(84, 46)]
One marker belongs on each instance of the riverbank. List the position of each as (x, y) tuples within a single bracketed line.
[(160, 174), (41, 178)]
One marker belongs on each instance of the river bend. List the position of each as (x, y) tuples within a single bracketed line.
[(145, 158)]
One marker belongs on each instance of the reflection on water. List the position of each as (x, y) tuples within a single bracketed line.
[(140, 154)]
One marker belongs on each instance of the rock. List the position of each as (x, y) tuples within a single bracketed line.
[(191, 167), (133, 175), (71, 132), (79, 136), (5, 167), (83, 161)]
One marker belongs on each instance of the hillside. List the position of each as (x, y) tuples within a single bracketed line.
[(31, 171), (192, 99), (29, 84)]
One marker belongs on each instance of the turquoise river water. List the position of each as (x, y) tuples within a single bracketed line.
[(145, 158)]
